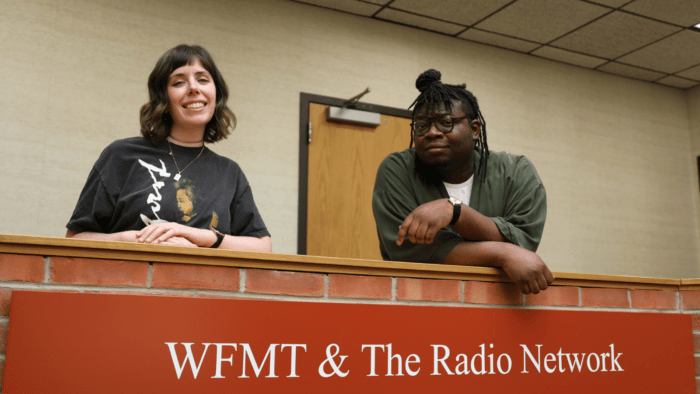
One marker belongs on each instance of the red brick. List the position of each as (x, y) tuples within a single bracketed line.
[(554, 295), (148, 294), (3, 337), (696, 342), (21, 267), (653, 299), (492, 293), (604, 297), (2, 373), (98, 272), (356, 286), (284, 282), (690, 299), (5, 295), (696, 322), (185, 276), (697, 365), (427, 290), (222, 296)]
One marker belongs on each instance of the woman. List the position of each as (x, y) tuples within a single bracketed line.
[(166, 187)]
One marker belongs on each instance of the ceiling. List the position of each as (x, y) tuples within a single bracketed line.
[(648, 40)]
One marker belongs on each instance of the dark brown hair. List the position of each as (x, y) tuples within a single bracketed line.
[(156, 122)]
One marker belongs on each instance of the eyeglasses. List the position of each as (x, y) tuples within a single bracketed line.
[(444, 123)]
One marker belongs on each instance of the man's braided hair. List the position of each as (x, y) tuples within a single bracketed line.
[(434, 93)]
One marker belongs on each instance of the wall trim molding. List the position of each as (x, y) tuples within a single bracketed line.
[(78, 248)]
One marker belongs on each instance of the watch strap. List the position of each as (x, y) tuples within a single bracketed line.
[(455, 213), (457, 209), (219, 237)]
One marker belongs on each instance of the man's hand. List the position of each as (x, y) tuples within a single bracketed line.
[(425, 221), (524, 267), (527, 270)]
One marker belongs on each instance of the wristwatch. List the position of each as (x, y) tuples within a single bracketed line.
[(219, 237), (457, 204)]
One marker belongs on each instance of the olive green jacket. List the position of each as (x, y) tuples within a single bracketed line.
[(511, 194)]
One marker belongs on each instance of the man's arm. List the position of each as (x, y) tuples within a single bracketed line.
[(514, 206), (398, 192), (526, 268), (424, 222)]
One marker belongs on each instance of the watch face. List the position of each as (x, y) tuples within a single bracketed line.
[(455, 201)]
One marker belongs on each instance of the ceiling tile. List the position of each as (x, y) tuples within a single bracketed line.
[(380, 2), (541, 20), (630, 71), (615, 35), (419, 21), (678, 82), (353, 7), (669, 55), (498, 40), (568, 57), (685, 13), (611, 3), (692, 73), (465, 12)]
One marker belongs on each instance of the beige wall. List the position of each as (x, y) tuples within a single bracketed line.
[(613, 153), (693, 101)]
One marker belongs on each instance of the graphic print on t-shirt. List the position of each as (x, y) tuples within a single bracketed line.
[(185, 198), (185, 195), (153, 199)]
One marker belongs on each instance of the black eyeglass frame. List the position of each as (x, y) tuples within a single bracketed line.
[(433, 121)]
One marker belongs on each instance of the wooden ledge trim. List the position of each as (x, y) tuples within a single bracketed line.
[(690, 284), (48, 246)]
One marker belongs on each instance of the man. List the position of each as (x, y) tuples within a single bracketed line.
[(451, 201)]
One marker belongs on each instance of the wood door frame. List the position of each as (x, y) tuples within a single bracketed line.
[(304, 100)]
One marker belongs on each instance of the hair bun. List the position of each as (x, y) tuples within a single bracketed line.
[(427, 78)]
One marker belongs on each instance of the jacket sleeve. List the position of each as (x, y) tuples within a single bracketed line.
[(525, 209), (397, 192)]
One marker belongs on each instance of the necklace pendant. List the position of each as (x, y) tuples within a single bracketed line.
[(177, 176)]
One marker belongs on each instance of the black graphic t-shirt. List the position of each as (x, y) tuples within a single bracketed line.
[(134, 183)]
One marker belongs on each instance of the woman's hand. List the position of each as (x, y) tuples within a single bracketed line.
[(178, 235), (178, 241), (162, 232), (123, 236)]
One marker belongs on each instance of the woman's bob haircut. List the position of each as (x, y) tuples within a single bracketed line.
[(156, 122)]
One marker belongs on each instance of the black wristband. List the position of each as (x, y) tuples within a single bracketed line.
[(219, 237), (455, 214)]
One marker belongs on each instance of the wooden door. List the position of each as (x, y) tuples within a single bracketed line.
[(343, 163)]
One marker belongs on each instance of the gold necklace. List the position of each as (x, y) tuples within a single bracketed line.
[(179, 171)]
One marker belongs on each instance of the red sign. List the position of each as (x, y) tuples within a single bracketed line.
[(90, 343)]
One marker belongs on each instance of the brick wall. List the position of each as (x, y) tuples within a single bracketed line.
[(66, 274)]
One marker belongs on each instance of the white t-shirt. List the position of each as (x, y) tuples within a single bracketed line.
[(463, 190)]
